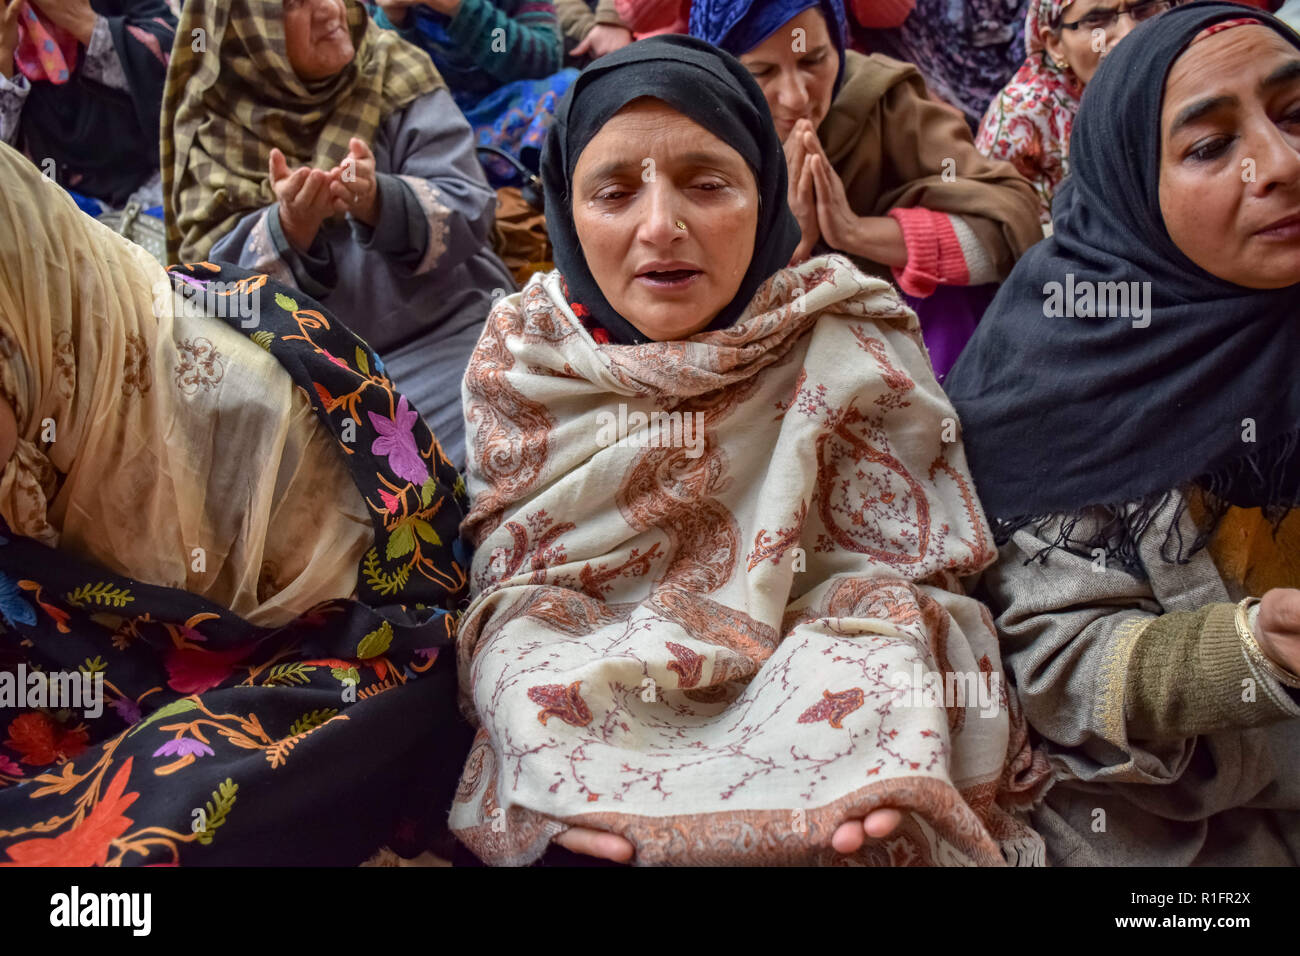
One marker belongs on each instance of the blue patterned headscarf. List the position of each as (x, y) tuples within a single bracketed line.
[(738, 26)]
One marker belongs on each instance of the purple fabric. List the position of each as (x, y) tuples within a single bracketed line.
[(948, 320)]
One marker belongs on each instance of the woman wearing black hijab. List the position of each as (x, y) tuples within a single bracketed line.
[(706, 491), (1131, 410)]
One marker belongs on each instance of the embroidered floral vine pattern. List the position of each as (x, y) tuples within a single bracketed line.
[(190, 691)]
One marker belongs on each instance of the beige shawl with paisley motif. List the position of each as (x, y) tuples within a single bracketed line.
[(712, 649)]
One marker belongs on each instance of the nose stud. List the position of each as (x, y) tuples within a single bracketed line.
[(680, 224)]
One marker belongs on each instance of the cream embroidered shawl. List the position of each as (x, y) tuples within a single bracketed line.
[(699, 647)]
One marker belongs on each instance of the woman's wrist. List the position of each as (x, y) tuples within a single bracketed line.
[(301, 235), (368, 211), (1258, 646), (79, 22), (879, 239)]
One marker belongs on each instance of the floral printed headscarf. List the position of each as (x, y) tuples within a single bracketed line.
[(1030, 121)]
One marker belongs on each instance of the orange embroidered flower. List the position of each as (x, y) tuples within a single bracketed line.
[(40, 741), (88, 842)]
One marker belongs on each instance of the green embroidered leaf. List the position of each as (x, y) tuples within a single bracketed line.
[(314, 719), (286, 303), (427, 490), (93, 666), (263, 338), (376, 642), (385, 584), (223, 798), (168, 710), (459, 488), (100, 593), (362, 362), (401, 541), (284, 674), (425, 531), (350, 675)]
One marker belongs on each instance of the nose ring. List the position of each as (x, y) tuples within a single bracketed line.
[(680, 224)]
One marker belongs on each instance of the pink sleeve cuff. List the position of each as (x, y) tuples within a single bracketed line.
[(934, 253)]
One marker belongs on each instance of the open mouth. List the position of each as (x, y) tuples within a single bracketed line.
[(669, 278)]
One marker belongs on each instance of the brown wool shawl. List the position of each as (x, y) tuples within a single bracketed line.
[(888, 141)]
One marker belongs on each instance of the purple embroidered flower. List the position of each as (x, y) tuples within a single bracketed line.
[(428, 653), (183, 747), (397, 441), (128, 710), (189, 280)]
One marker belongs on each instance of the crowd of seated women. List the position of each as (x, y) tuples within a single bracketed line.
[(887, 453)]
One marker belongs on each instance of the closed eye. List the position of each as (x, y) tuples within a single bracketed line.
[(1210, 150)]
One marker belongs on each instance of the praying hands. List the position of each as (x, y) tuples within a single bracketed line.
[(821, 205), (308, 196)]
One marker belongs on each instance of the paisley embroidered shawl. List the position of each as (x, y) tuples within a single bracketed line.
[(693, 638)]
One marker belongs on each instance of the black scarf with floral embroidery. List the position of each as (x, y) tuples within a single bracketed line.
[(222, 743)]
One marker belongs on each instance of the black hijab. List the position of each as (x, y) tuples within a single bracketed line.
[(706, 85), (1061, 414)]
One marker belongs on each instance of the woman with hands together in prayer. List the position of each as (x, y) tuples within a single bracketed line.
[(877, 168)]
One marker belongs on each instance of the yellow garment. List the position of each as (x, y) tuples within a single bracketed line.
[(1246, 552), (145, 433)]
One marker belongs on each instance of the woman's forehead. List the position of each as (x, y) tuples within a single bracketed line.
[(1244, 58), (667, 139), (647, 122)]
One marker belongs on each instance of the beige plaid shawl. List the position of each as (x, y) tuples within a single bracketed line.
[(231, 96)]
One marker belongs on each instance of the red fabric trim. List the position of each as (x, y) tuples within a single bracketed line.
[(934, 254)]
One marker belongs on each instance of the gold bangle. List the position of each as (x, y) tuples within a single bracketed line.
[(1255, 652)]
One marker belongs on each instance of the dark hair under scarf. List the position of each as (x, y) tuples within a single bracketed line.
[(1063, 414), (709, 87), (738, 26)]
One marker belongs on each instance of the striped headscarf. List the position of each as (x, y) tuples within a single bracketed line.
[(234, 98)]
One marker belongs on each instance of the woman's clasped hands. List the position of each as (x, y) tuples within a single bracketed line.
[(308, 197)]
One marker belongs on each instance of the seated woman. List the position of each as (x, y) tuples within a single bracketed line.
[(1028, 124), (716, 554), (878, 169), (218, 510), (502, 61), (1140, 442), (81, 85), (341, 167)]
